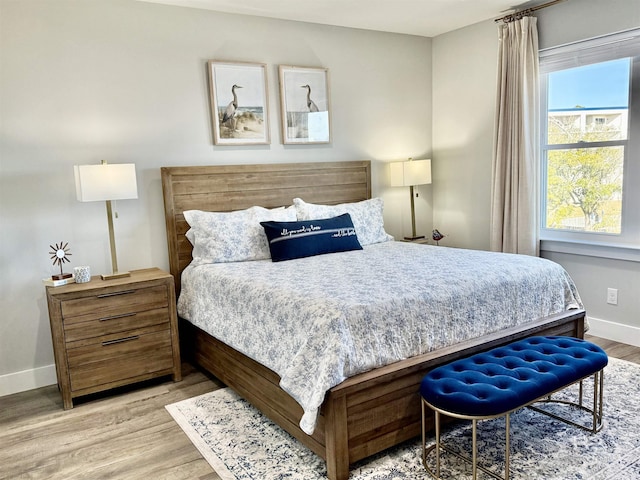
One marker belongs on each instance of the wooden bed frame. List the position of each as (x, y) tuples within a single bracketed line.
[(364, 414)]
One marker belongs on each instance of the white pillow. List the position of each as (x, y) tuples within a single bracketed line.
[(219, 237), (366, 216)]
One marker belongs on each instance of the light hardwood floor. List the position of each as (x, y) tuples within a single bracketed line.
[(126, 434)]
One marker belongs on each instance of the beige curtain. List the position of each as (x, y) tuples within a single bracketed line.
[(514, 207)]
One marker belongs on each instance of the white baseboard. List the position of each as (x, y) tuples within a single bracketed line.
[(617, 332), (27, 380)]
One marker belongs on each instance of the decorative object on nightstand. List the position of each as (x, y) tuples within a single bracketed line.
[(50, 282), (107, 334), (107, 182), (82, 274), (436, 235), (410, 174), (60, 254)]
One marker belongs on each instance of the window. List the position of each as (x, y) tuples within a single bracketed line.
[(590, 188)]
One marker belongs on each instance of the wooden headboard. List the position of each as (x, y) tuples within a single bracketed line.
[(224, 188)]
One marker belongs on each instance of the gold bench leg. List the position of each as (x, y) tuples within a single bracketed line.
[(474, 448), (423, 430), (438, 448), (437, 415), (507, 448), (596, 411)]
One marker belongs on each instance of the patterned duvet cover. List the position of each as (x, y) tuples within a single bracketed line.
[(319, 320)]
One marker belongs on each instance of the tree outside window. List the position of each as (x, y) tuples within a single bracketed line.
[(584, 185)]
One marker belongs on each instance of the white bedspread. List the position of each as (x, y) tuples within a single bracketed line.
[(316, 321)]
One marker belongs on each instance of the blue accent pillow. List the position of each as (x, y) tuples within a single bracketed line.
[(289, 240)]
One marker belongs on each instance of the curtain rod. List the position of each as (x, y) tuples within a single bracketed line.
[(523, 13)]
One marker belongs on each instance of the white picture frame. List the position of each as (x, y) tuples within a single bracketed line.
[(239, 103), (305, 111)]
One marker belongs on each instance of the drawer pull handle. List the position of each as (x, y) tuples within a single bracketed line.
[(123, 292), (114, 317), (120, 340)]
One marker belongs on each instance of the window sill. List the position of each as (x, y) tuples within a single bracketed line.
[(600, 250)]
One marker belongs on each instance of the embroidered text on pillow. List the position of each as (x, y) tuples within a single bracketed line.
[(289, 240), (314, 230)]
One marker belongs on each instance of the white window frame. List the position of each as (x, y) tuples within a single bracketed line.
[(626, 245)]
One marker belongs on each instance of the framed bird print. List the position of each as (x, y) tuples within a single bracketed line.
[(239, 103), (304, 111)]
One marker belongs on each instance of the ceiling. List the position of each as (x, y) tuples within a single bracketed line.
[(427, 18)]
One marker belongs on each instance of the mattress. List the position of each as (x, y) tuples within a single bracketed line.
[(319, 320)]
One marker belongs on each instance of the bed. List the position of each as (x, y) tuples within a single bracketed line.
[(365, 413)]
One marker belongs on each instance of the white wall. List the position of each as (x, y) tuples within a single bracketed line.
[(576, 20), (464, 76), (125, 81)]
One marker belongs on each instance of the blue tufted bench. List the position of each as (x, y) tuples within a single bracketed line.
[(497, 382)]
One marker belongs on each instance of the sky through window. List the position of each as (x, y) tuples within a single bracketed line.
[(601, 85)]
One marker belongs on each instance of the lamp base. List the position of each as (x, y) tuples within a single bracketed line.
[(114, 275), (411, 239)]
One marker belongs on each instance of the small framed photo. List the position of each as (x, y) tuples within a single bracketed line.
[(239, 103), (305, 111)]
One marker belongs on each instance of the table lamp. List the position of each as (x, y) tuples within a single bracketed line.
[(107, 182), (410, 174)]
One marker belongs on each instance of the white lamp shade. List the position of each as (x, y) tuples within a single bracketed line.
[(413, 172), (106, 182)]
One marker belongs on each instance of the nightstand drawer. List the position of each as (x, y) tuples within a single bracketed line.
[(113, 303), (119, 358), (115, 323), (89, 350)]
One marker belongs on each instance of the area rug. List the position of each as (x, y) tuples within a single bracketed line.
[(242, 444)]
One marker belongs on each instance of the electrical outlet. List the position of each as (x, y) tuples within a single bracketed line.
[(612, 296)]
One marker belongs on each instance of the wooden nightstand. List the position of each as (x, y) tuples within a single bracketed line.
[(109, 333)]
